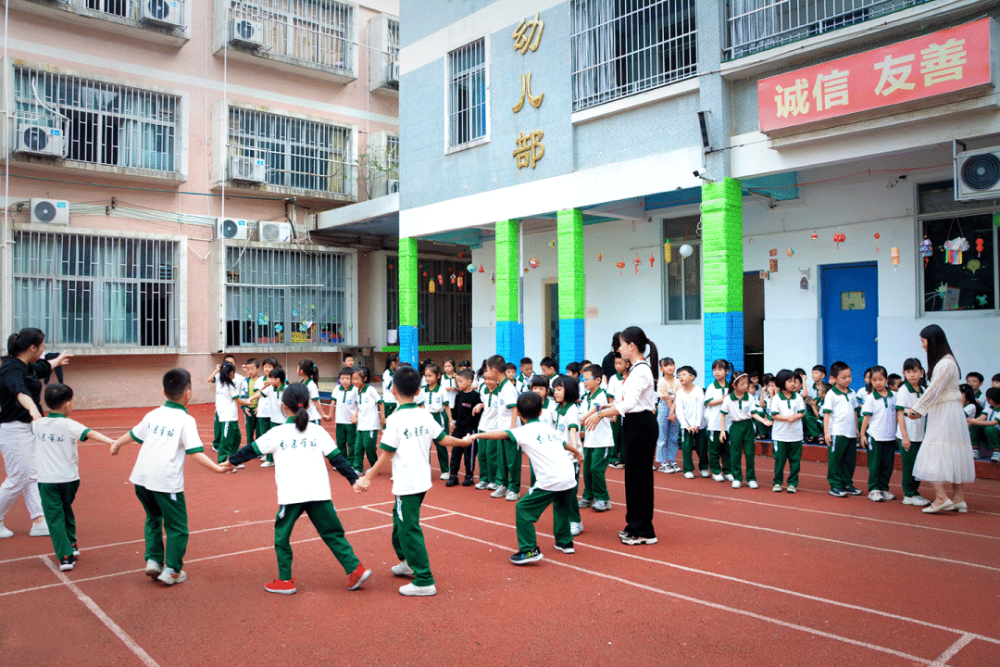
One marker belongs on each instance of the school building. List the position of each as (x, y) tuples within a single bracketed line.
[(776, 183), (164, 162)]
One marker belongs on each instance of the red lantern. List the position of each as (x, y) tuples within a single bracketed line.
[(621, 265), (815, 235), (877, 237), (839, 238), (481, 269), (637, 262), (651, 260), (979, 246)]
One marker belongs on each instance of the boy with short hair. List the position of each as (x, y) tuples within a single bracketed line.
[(689, 406), (840, 427), (508, 453), (348, 360), (468, 406), (251, 383), (811, 423), (57, 461), (989, 422), (573, 370), (894, 382), (523, 379), (407, 439), (995, 382), (975, 380), (549, 370), (510, 371), (489, 475), (345, 403), (614, 390), (597, 444), (554, 483), (166, 435)]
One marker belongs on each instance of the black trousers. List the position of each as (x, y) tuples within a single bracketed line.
[(458, 454), (639, 434)]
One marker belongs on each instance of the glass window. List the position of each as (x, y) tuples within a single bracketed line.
[(959, 280), (444, 316), (682, 275), (316, 31), (467, 93)]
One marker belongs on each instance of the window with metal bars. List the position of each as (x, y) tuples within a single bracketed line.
[(392, 38), (287, 297), (624, 47), (316, 31), (467, 102), (96, 291), (297, 153), (757, 25), (682, 275), (103, 123), (444, 316), (112, 7), (392, 157)]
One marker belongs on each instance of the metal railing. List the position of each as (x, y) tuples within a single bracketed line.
[(135, 10), (444, 315), (316, 31), (756, 25), (467, 93)]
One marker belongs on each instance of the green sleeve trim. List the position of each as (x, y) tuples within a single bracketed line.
[(511, 406), (572, 426), (511, 436), (132, 435), (386, 447), (253, 446), (380, 402), (827, 411), (723, 412), (83, 436), (900, 408), (801, 412), (440, 437), (866, 414), (194, 450), (316, 399)]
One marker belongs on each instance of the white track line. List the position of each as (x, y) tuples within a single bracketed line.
[(99, 613), (745, 582), (950, 652), (704, 603)]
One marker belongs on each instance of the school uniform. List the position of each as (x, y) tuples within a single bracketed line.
[(548, 413), (718, 451), (742, 436), (409, 434), (447, 384), (567, 419), (434, 401), (991, 434), (166, 436), (228, 414), (689, 406), (812, 425), (277, 417), (554, 485), (217, 424), (314, 416), (843, 445), (906, 398), (369, 424), (787, 436), (596, 449), (614, 391), (509, 454), (487, 449), (346, 402), (523, 382), (251, 385), (465, 424), (57, 461), (881, 436), (389, 401)]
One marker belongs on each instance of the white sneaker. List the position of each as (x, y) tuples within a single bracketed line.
[(916, 501), (5, 532), (776, 488), (39, 530), (975, 454), (753, 484), (730, 478), (512, 496), (791, 489), (705, 473), (736, 484), (499, 493), (412, 590), (401, 570), (675, 467), (575, 528), (602, 506), (444, 475), (491, 486), (996, 457), (875, 496), (887, 496), (664, 468), (153, 569), (169, 577), (718, 478), (481, 485), (689, 475), (267, 464)]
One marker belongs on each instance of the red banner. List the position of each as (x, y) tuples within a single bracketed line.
[(947, 61)]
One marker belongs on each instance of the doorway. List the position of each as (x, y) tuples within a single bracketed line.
[(850, 316), (753, 322), (550, 323)]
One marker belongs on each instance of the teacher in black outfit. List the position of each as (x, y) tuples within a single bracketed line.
[(639, 433)]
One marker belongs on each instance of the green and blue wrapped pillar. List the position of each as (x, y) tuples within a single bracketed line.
[(569, 239), (408, 301), (509, 330), (722, 238)]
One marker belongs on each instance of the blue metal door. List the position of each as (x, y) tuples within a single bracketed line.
[(850, 317)]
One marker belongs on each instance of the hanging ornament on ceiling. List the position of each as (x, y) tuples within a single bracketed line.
[(482, 269), (894, 255), (637, 262), (431, 287), (460, 281), (534, 263), (814, 235), (790, 252), (979, 247), (471, 268), (453, 277), (552, 244), (651, 260), (440, 279), (620, 265), (839, 238), (667, 251), (686, 250), (493, 278), (926, 250), (877, 237), (600, 257)]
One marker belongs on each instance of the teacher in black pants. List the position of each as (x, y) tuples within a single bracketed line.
[(637, 406)]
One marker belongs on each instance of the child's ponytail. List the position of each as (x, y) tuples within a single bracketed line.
[(296, 399), (310, 370)]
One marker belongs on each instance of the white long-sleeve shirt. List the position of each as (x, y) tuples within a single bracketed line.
[(638, 390), (689, 406)]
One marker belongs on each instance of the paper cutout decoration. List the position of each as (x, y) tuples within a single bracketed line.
[(391, 266), (637, 262), (804, 283), (621, 265), (425, 274), (552, 244), (460, 281), (263, 319), (431, 287), (534, 263), (926, 250), (305, 326), (453, 278), (471, 268), (877, 237), (839, 238), (773, 252), (667, 251), (440, 279), (295, 313), (790, 252), (493, 278), (773, 265), (686, 250), (894, 254), (955, 248), (600, 257), (279, 328), (974, 265), (982, 299)]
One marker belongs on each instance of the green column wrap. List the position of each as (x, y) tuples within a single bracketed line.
[(569, 235), (722, 235), (507, 270), (408, 286)]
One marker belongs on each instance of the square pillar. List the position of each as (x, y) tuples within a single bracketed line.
[(572, 293), (408, 304), (722, 252), (509, 331)]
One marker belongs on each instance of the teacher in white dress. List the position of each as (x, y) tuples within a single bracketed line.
[(946, 453)]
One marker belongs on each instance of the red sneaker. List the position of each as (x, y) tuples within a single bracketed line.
[(281, 587), (358, 577)]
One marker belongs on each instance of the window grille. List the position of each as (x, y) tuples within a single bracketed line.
[(756, 25), (113, 7), (392, 157), (286, 297), (104, 123), (392, 39), (467, 93), (444, 317), (94, 290), (316, 31), (624, 47), (298, 153)]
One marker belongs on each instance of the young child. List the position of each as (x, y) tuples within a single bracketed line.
[(57, 462), (308, 374), (894, 382), (765, 394), (741, 409), (369, 419), (566, 393), (879, 412), (540, 386), (812, 423), (573, 370), (689, 406), (260, 396), (250, 385), (995, 381), (989, 422), (349, 360), (668, 441), (523, 379), (718, 453), (910, 431), (598, 444), (549, 370), (489, 475), (345, 408), (510, 371), (214, 379), (406, 446), (554, 482), (299, 448), (167, 435), (449, 384), (840, 428), (615, 391), (508, 453), (975, 380), (227, 411), (787, 409), (388, 400), (468, 406), (432, 399)]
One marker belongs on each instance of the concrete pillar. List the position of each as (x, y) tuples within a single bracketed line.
[(408, 305), (722, 277), (510, 331), (572, 338)]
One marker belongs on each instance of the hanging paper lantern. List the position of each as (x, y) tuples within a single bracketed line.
[(460, 281), (600, 257), (482, 269), (621, 265), (651, 260), (686, 250), (894, 254), (440, 279), (390, 266), (425, 274), (815, 235), (790, 252), (979, 246), (637, 262), (877, 237), (431, 288), (453, 279), (461, 253), (471, 268), (667, 251), (839, 238), (926, 250), (493, 277), (534, 263)]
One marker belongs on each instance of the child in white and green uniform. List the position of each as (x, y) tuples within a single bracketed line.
[(432, 398), (566, 392), (597, 446), (309, 373), (369, 419), (508, 454), (488, 473), (345, 405), (910, 431), (406, 445), (787, 410), (740, 408), (388, 400)]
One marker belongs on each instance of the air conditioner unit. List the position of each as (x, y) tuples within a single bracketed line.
[(393, 75), (392, 186), (275, 232), (250, 169), (231, 228), (246, 32), (49, 211), (163, 12), (39, 140), (977, 174)]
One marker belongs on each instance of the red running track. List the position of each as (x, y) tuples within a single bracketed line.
[(738, 577)]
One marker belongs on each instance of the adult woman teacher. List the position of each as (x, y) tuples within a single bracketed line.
[(639, 431), (946, 453), (20, 405)]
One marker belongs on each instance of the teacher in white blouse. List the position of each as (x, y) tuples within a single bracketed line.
[(637, 406)]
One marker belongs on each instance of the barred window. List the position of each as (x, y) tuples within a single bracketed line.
[(94, 290), (316, 31), (624, 47), (287, 297), (297, 153), (392, 157), (102, 123), (467, 93), (113, 7), (682, 275), (444, 316)]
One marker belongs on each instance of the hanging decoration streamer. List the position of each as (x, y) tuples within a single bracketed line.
[(637, 262), (926, 250), (894, 254), (667, 251), (877, 237)]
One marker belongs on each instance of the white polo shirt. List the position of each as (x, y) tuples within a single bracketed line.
[(274, 403), (56, 456), (882, 409), (907, 397), (433, 400), (449, 396), (738, 409), (225, 401), (368, 402), (263, 401), (548, 414), (840, 407), (313, 399), (299, 461), (553, 471), (167, 435), (409, 434), (615, 387), (689, 406), (507, 393), (347, 403), (387, 397), (567, 416), (780, 405), (488, 420), (714, 392), (601, 436)]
